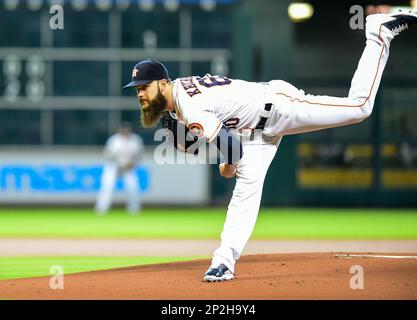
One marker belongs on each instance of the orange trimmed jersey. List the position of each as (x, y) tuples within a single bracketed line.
[(205, 103)]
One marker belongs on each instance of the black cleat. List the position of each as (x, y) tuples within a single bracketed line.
[(402, 21), (216, 274)]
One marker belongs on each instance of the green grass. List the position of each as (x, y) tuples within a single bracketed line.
[(326, 224), (26, 267), (200, 223)]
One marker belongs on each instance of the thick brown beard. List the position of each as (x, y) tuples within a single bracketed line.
[(151, 115)]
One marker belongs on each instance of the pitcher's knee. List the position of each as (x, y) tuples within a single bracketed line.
[(366, 111), (362, 113)]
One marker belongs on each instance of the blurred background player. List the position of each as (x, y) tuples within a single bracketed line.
[(122, 152)]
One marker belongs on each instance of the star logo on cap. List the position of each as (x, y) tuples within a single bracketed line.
[(135, 73)]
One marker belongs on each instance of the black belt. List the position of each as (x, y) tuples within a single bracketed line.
[(262, 121)]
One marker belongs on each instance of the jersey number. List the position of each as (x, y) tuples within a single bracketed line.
[(211, 81)]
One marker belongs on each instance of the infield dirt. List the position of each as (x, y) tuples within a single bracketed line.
[(270, 277)]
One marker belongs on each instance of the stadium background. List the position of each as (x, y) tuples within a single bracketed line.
[(61, 98)]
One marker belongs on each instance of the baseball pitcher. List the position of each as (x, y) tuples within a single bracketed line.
[(217, 110)]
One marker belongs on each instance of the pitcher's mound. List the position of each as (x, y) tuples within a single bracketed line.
[(277, 276)]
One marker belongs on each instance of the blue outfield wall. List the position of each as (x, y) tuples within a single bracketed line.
[(60, 178)]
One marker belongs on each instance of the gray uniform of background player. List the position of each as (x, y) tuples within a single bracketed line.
[(122, 153)]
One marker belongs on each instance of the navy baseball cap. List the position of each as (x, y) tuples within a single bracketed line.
[(147, 71)]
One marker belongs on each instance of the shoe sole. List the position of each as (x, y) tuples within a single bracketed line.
[(408, 13), (217, 279)]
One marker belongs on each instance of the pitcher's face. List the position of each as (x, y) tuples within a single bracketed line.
[(152, 103)]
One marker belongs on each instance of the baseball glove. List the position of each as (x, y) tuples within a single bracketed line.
[(179, 135)]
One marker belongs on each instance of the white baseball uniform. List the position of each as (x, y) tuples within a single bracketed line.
[(204, 103), (122, 153)]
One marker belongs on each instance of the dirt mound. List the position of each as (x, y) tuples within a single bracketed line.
[(278, 276)]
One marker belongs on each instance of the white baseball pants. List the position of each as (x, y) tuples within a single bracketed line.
[(295, 112), (107, 186)]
